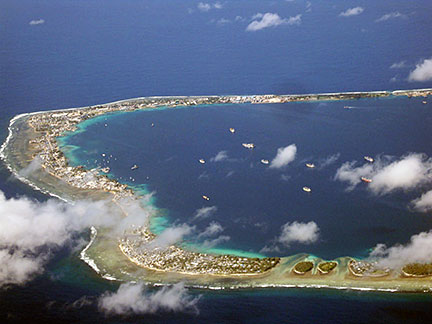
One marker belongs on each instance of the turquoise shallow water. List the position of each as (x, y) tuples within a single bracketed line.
[(253, 201)]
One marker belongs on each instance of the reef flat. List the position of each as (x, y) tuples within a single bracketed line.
[(34, 136)]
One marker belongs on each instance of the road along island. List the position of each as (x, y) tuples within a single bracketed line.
[(33, 138)]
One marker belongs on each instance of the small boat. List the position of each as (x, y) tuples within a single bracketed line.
[(152, 124), (369, 159), (347, 107), (202, 161), (134, 167), (424, 102), (105, 170), (249, 145), (205, 197), (232, 130), (367, 180), (307, 189), (263, 161), (310, 165)]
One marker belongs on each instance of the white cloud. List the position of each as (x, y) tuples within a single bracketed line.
[(296, 20), (37, 22), (261, 21), (217, 5), (223, 21), (34, 165), (406, 173), (424, 203), (170, 236), (284, 156), (418, 250), (221, 156), (390, 15), (134, 299), (30, 231), (422, 71), (216, 241), (214, 228), (204, 212), (202, 6), (398, 65), (325, 162), (305, 233), (352, 12)]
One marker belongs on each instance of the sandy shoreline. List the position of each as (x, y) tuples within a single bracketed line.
[(17, 154)]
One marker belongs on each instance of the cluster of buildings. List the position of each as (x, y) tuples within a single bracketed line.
[(137, 246)]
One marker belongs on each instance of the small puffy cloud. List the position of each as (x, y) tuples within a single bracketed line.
[(223, 21), (325, 162), (352, 12), (398, 65), (217, 5), (418, 250), (132, 299), (213, 229), (407, 173), (387, 175), (390, 15), (305, 233), (212, 243), (295, 232), (284, 156), (424, 203), (36, 22), (221, 156), (170, 236), (204, 212), (202, 6), (422, 71), (34, 165), (261, 21)]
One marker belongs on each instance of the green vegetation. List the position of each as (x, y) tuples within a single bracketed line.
[(327, 266), (304, 266), (418, 269)]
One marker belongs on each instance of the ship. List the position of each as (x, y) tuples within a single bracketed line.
[(205, 197), (249, 145), (232, 130), (105, 170), (369, 159), (202, 161), (134, 167), (310, 165), (264, 161), (367, 180), (307, 189)]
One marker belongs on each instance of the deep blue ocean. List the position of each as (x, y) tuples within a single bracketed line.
[(90, 52)]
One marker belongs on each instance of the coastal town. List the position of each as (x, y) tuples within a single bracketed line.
[(136, 244)]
